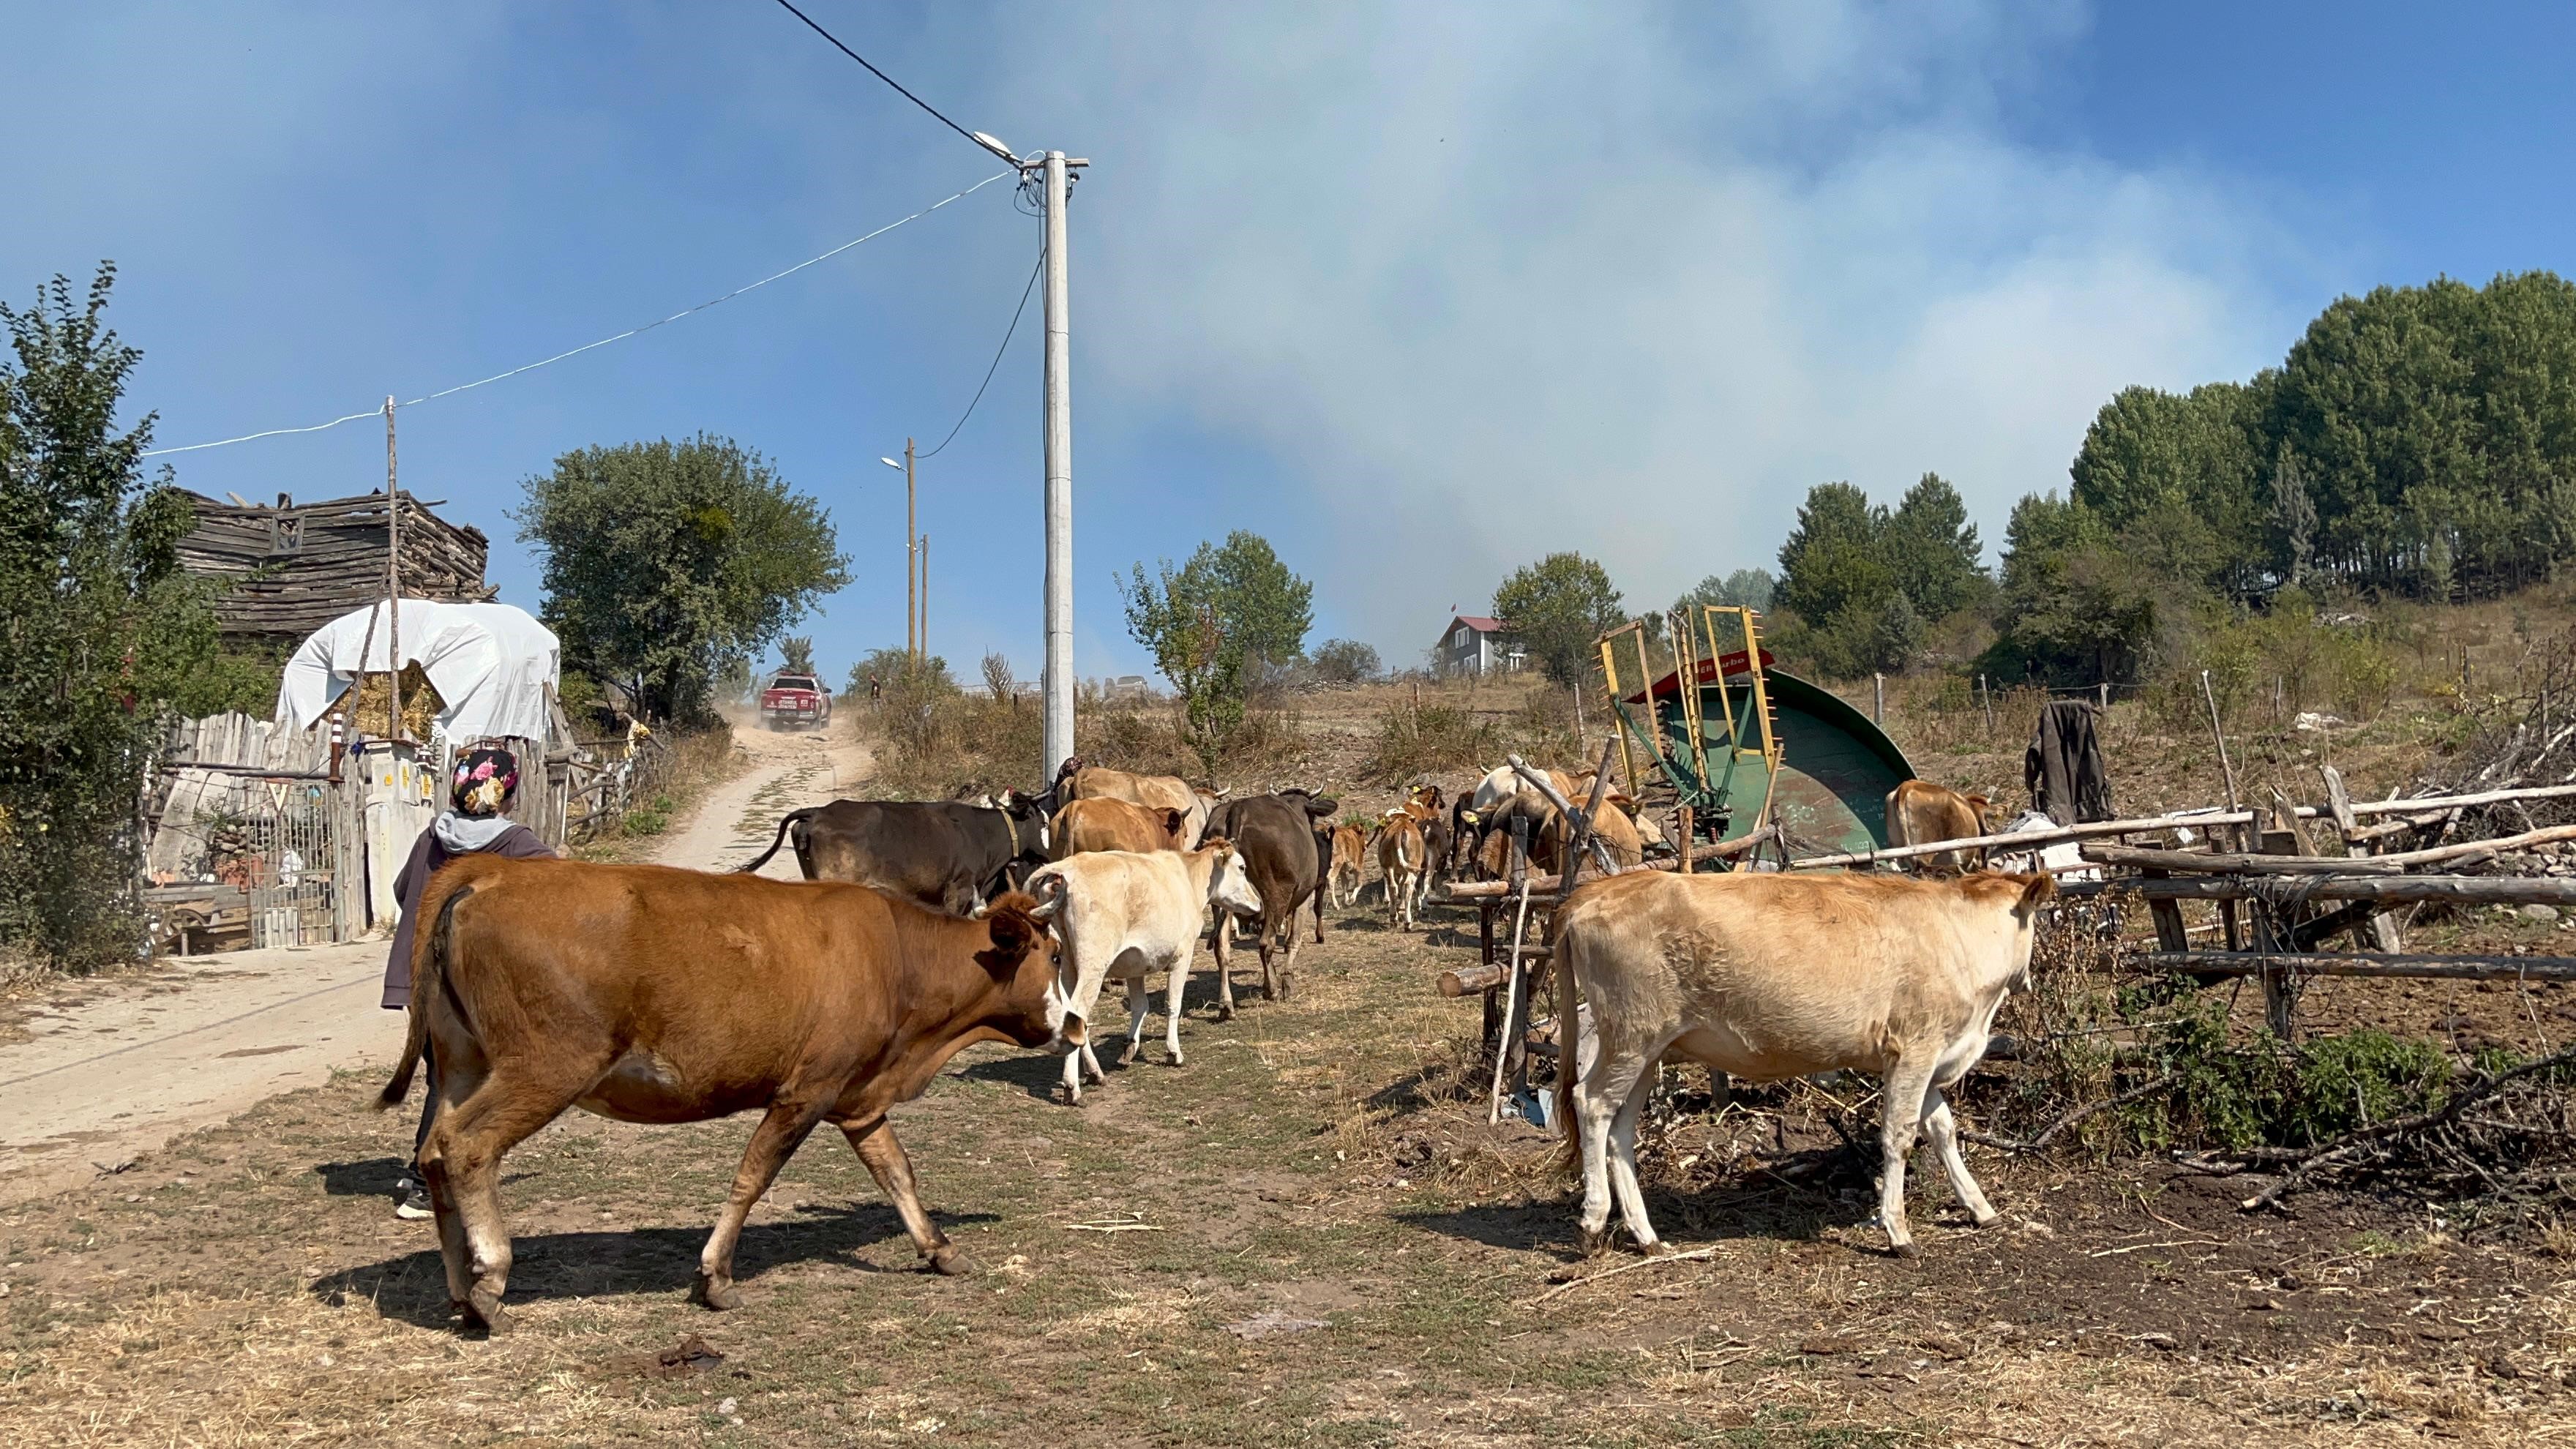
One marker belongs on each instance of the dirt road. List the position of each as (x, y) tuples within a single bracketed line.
[(114, 1071)]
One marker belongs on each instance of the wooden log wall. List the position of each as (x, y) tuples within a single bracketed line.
[(322, 560)]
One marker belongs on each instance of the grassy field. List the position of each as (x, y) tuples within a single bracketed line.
[(1307, 1235)]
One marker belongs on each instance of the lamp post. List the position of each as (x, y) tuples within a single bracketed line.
[(911, 558)]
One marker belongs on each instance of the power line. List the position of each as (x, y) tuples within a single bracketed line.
[(997, 357), (981, 142), (587, 346)]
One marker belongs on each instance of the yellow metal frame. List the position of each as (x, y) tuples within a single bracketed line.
[(1686, 644)]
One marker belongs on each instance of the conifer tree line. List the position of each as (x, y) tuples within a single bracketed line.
[(2417, 442)]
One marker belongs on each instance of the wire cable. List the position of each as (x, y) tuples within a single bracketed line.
[(881, 75), (997, 356), (378, 411)]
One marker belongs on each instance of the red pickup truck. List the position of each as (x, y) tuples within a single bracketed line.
[(795, 701)]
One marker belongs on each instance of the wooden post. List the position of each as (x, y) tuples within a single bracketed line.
[(1688, 836), (393, 584), (2381, 934), (911, 563), (2279, 836), (1878, 699), (1986, 698), (2105, 688)]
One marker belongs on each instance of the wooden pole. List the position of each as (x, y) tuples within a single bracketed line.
[(1986, 698), (2487, 890), (2323, 963), (911, 564), (2220, 736), (393, 584), (1688, 836), (925, 596), (2382, 929), (1878, 699)]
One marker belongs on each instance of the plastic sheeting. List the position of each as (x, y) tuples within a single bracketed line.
[(493, 664)]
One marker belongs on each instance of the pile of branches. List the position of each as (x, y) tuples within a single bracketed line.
[(2504, 1135), (2525, 739)]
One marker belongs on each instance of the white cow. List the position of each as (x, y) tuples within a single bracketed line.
[(1766, 976), (1122, 916)]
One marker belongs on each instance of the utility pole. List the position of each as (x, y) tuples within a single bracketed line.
[(925, 596), (911, 564), (1058, 717), (393, 588)]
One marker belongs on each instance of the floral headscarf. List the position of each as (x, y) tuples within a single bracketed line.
[(483, 782)]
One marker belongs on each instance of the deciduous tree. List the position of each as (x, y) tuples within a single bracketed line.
[(666, 561)]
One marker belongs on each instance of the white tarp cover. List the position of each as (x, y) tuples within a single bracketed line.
[(493, 665)]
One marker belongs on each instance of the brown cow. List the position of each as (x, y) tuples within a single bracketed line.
[(1404, 859), (1350, 864), (1276, 834), (1154, 792), (1106, 823), (649, 994), (1920, 812)]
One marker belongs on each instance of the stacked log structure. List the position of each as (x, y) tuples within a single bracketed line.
[(294, 567)]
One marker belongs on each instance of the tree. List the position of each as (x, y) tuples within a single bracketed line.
[(1557, 607), (1833, 559), (796, 654), (102, 630), (1214, 623), (1932, 550), (666, 561), (1346, 661), (2294, 519), (1744, 588)]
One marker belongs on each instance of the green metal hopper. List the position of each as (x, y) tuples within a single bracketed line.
[(1834, 766)]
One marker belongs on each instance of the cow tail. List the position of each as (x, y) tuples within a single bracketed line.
[(1569, 1037), (794, 818), (429, 952)]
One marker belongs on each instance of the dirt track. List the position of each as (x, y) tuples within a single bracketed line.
[(113, 1070)]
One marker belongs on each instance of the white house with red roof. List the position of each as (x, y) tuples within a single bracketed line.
[(1473, 644)]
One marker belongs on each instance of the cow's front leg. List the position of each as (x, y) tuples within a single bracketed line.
[(1224, 976), (1179, 985), (892, 1169), (1263, 930)]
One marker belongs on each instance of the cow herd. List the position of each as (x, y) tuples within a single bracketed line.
[(650, 994)]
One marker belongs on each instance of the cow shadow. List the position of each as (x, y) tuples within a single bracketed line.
[(412, 1287), (1799, 1200), (367, 1177)]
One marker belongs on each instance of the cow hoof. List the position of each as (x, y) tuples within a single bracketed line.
[(483, 1311), (1225, 1012), (1065, 1096), (1905, 1250), (1656, 1249), (950, 1263), (1592, 1242), (1126, 1058), (720, 1297), (1985, 1220)]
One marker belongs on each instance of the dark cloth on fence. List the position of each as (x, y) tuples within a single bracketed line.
[(427, 855), (2063, 768)]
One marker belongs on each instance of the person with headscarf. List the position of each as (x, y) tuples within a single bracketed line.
[(478, 794)]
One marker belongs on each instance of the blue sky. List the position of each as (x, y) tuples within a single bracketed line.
[(1419, 292)]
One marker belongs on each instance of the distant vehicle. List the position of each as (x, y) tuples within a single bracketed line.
[(796, 701)]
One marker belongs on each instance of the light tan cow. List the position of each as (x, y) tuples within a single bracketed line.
[(1350, 864), (1104, 823), (1766, 976), (1121, 915), (1154, 792), (1402, 857), (1920, 812)]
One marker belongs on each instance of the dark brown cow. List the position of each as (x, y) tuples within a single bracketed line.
[(949, 855), (1100, 823), (656, 995), (1276, 836), (1920, 812)]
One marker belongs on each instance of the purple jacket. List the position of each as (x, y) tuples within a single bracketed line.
[(427, 855)]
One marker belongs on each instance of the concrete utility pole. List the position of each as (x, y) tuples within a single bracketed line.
[(911, 563), (925, 596), (393, 588), (1058, 715)]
